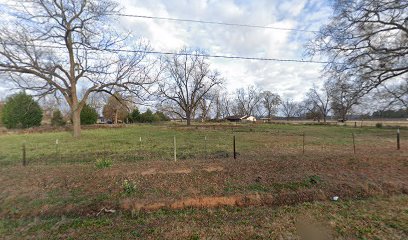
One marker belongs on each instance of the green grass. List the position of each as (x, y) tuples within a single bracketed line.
[(157, 142)]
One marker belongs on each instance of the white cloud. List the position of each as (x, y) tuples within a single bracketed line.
[(288, 79)]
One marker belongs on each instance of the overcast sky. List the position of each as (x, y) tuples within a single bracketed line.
[(288, 79)]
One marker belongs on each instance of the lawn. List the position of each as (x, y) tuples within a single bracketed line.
[(108, 184), (156, 142)]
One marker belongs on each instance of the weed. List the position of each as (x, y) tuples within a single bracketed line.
[(314, 179), (103, 163), (195, 237), (129, 187), (378, 125)]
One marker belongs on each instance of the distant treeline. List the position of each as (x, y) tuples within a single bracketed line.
[(402, 113)]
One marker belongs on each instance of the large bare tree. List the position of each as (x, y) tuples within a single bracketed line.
[(343, 97), (187, 80), (247, 100), (317, 102), (65, 46), (290, 109), (366, 41), (270, 102)]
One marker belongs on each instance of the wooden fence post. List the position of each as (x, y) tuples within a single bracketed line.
[(205, 147), (398, 139), (303, 143), (24, 154), (175, 149), (354, 143), (56, 149), (235, 153)]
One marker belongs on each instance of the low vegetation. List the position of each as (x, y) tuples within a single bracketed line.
[(109, 184), (21, 111)]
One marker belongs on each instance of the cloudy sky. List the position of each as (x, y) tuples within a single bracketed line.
[(290, 80)]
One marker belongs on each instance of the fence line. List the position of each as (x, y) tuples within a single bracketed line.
[(208, 145)]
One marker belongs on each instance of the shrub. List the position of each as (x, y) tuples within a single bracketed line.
[(161, 117), (103, 163), (378, 125), (21, 111), (57, 120), (135, 116), (148, 117), (88, 115)]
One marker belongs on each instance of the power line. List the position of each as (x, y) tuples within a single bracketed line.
[(215, 23), (205, 22), (187, 54)]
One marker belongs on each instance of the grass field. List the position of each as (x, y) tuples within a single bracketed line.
[(108, 184)]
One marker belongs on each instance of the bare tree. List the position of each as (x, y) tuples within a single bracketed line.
[(205, 105), (270, 102), (222, 105), (59, 47), (343, 97), (366, 41), (247, 100), (116, 109), (318, 102), (187, 80), (290, 109), (395, 94)]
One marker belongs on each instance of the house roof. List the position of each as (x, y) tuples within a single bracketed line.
[(237, 117)]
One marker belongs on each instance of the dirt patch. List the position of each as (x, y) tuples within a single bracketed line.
[(220, 201), (214, 169), (154, 171)]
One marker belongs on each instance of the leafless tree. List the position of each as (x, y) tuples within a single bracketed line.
[(290, 109), (270, 102), (318, 102), (206, 104), (59, 47), (343, 96), (97, 100), (395, 94), (222, 105), (247, 100), (366, 41), (116, 109), (187, 80)]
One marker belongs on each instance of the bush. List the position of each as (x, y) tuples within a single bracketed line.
[(57, 120), (135, 116), (148, 117), (21, 111), (161, 117), (378, 125), (88, 115)]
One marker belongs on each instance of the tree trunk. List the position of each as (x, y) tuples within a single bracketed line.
[(76, 123), (188, 116)]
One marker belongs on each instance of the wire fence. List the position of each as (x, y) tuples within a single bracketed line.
[(179, 145)]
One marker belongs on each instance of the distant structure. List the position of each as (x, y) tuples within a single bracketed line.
[(244, 118)]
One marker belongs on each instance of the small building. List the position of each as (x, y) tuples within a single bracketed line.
[(101, 120), (244, 118)]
